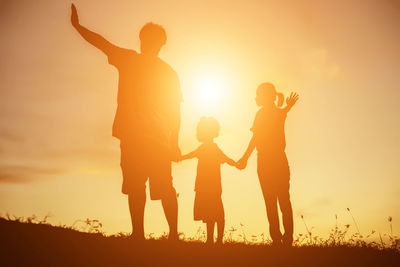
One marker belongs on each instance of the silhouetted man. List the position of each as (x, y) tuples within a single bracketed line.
[(147, 121)]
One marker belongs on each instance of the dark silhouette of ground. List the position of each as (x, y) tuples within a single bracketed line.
[(30, 244)]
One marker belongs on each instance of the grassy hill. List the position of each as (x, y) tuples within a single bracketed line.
[(24, 243)]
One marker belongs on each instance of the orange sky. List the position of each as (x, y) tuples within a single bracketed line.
[(58, 97)]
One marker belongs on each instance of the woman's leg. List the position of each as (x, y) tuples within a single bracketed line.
[(271, 203), (287, 213)]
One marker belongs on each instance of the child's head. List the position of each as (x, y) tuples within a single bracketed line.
[(266, 95), (207, 129)]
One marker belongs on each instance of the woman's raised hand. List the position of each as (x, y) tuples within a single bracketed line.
[(292, 99)]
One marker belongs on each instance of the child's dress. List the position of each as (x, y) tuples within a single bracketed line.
[(208, 203)]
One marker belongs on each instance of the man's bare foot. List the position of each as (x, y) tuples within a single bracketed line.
[(173, 237), (137, 238)]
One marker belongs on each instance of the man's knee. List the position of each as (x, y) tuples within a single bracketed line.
[(137, 194), (169, 194)]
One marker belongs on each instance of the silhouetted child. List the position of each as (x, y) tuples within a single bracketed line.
[(208, 203), (272, 164)]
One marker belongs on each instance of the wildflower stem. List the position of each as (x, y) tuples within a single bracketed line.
[(355, 223)]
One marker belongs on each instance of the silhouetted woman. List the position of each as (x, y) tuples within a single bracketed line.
[(272, 164)]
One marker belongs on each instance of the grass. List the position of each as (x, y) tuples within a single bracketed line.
[(34, 241)]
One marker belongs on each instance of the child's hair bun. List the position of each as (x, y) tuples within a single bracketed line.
[(281, 98)]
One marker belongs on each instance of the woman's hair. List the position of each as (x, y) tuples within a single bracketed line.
[(269, 89), (207, 128)]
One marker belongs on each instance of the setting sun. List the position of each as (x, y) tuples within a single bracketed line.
[(209, 91)]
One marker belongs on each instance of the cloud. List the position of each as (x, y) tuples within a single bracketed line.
[(322, 202), (321, 65), (25, 174), (315, 207), (306, 213), (7, 178), (87, 152), (5, 135)]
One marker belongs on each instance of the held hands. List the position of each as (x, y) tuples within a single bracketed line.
[(292, 99), (74, 16), (241, 164)]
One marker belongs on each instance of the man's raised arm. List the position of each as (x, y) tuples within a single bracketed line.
[(93, 38)]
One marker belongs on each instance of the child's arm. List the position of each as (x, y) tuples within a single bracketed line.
[(290, 101), (190, 155), (230, 161), (225, 159), (242, 163)]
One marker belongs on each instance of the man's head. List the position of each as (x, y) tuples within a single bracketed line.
[(152, 38)]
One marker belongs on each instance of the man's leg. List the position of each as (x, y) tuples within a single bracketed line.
[(170, 205), (161, 187), (134, 185), (287, 215), (137, 202)]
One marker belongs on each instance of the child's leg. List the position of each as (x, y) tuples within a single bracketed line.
[(221, 229), (210, 232)]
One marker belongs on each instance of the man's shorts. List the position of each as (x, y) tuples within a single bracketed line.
[(142, 160)]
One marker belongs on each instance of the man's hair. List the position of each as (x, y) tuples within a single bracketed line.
[(154, 33)]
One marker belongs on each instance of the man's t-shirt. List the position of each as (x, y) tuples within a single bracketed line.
[(149, 95), (269, 131)]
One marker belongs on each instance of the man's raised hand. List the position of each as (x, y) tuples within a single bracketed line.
[(74, 15)]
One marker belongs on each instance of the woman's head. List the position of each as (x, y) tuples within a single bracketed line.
[(207, 129), (266, 95)]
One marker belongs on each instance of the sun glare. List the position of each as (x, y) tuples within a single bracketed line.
[(210, 92)]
